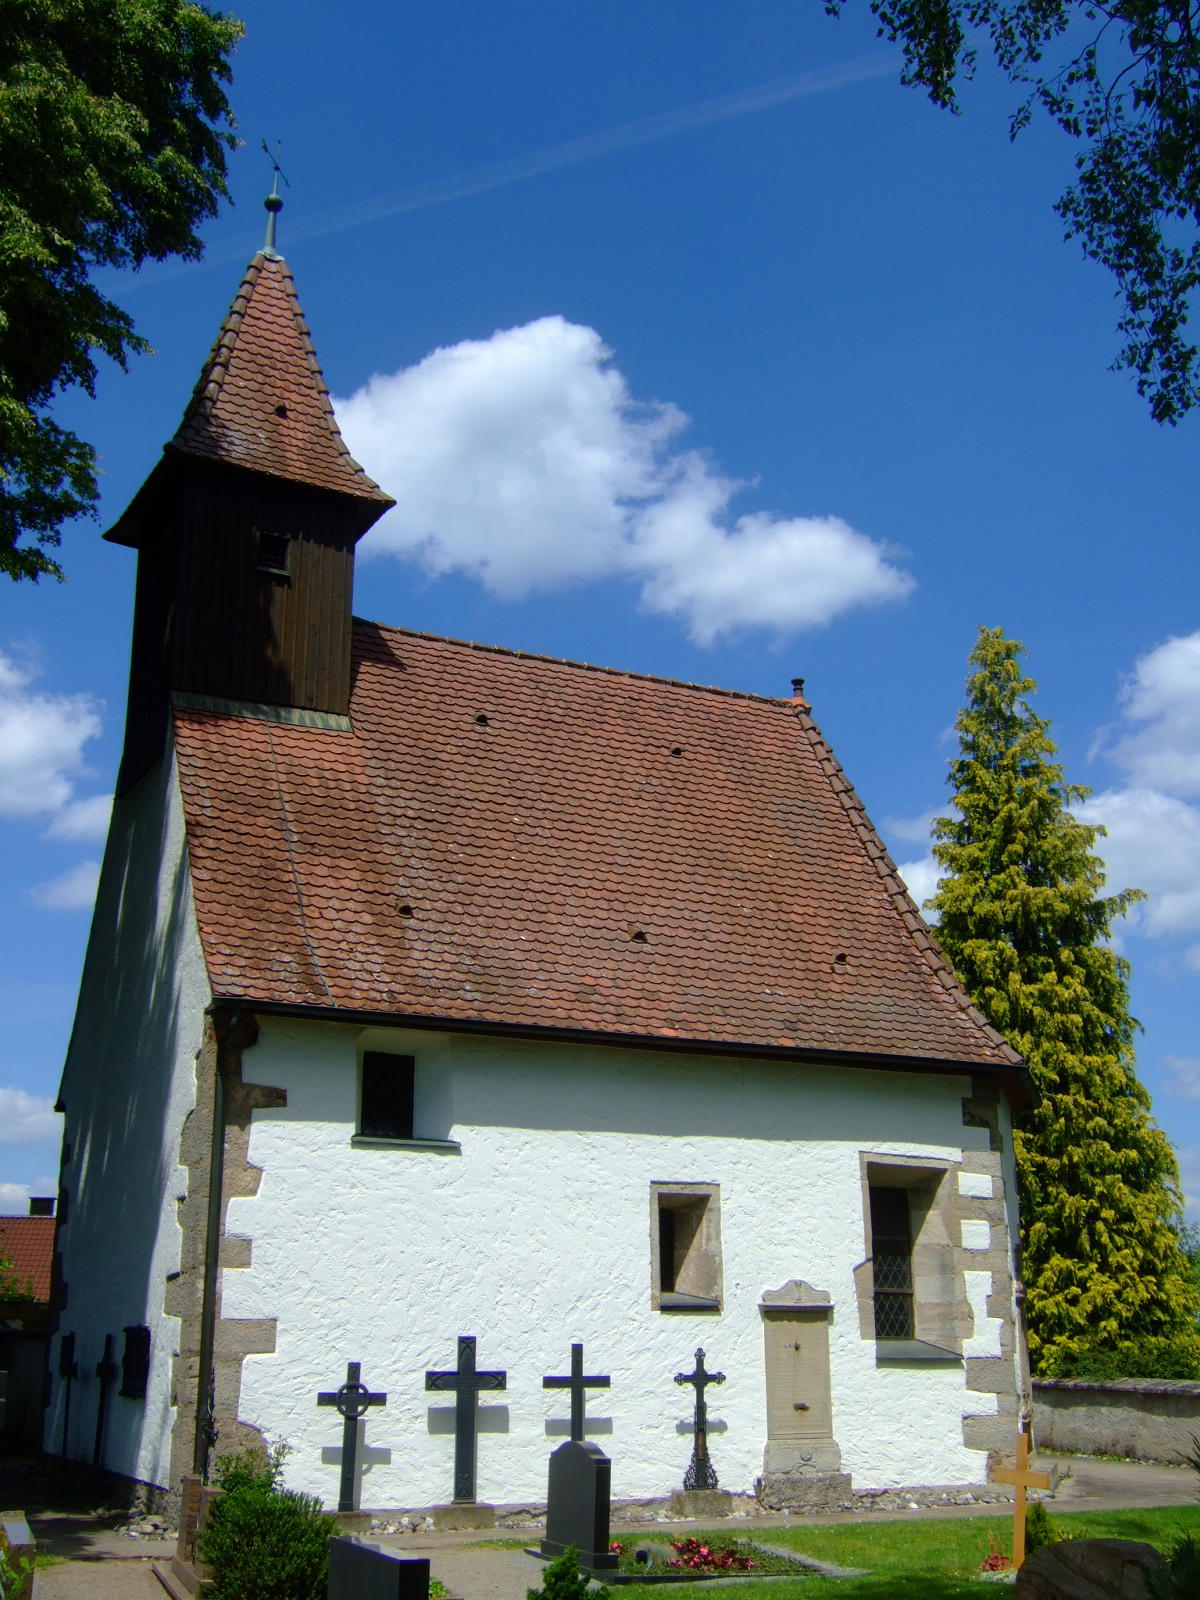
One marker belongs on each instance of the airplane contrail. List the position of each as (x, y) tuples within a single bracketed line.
[(571, 152)]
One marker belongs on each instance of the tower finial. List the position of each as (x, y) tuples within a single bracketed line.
[(274, 201)]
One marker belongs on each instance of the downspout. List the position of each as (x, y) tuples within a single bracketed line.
[(234, 1029)]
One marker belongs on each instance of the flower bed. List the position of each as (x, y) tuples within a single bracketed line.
[(700, 1558)]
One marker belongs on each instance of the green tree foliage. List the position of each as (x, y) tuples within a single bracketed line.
[(13, 1288), (114, 128), (1024, 922), (1123, 77)]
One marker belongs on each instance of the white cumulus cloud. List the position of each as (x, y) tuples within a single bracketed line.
[(524, 462), (42, 738), (1161, 698), (14, 1197), (82, 819), (26, 1118), (1184, 1082), (920, 879), (73, 890), (1153, 843)]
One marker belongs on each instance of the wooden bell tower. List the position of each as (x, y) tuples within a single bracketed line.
[(245, 532)]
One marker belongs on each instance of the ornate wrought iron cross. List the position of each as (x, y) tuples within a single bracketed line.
[(353, 1400), (578, 1385), (700, 1474), (466, 1383)]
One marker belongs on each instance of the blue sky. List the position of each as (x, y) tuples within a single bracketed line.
[(782, 371)]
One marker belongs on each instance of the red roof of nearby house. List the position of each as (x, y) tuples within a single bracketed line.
[(511, 840), (28, 1242), (261, 401)]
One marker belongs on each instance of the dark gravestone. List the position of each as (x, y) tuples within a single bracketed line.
[(360, 1571), (577, 1505)]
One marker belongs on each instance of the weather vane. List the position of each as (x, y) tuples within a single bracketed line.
[(274, 201)]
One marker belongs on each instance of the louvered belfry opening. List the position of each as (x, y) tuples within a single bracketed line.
[(891, 1260)]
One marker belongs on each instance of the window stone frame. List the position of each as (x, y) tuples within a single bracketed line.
[(700, 1288), (941, 1312)]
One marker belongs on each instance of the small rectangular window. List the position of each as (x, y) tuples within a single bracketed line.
[(385, 1106), (891, 1261), (274, 553), (685, 1247), (135, 1363)]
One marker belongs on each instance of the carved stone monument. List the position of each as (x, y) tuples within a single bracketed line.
[(802, 1461), (362, 1571), (577, 1505)]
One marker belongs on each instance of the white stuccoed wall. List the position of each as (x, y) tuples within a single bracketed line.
[(539, 1234), (128, 1085)]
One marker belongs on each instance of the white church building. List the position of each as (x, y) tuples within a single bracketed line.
[(438, 990)]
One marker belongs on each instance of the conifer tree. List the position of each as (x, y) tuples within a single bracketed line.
[(1026, 926)]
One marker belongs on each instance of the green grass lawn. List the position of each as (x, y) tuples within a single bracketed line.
[(925, 1559)]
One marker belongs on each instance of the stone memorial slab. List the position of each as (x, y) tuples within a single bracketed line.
[(362, 1571), (18, 1540), (577, 1505)]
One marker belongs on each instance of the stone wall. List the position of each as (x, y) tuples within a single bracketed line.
[(1153, 1419)]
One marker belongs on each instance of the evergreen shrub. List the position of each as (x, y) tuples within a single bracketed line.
[(564, 1581), (264, 1542), (1177, 1357), (1040, 1528)]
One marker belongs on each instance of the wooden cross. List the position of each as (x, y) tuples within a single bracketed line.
[(466, 1383), (1022, 1479), (577, 1384), (353, 1400), (700, 1473)]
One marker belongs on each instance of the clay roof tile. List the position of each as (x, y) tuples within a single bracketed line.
[(430, 865)]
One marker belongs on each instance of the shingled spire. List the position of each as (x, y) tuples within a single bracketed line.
[(245, 532)]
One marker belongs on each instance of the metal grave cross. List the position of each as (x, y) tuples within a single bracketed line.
[(68, 1371), (577, 1384), (1021, 1478), (353, 1400), (107, 1372), (700, 1474), (466, 1383)]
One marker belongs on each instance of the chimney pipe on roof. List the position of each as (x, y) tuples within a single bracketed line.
[(41, 1205)]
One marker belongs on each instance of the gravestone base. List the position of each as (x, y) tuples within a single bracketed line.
[(463, 1514), (18, 1540), (353, 1521), (359, 1570), (700, 1503), (803, 1491)]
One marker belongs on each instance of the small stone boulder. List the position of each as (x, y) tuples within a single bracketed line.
[(1087, 1569)]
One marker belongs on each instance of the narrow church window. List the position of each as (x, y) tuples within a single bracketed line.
[(891, 1258), (385, 1105), (135, 1363), (685, 1247)]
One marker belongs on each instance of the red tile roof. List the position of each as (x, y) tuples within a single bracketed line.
[(28, 1242), (515, 841), (261, 401)]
